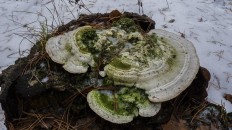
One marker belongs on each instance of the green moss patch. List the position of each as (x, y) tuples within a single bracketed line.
[(88, 37), (126, 24)]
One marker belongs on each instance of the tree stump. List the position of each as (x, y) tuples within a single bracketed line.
[(31, 103)]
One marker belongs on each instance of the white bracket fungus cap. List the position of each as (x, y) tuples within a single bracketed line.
[(64, 49), (99, 107), (163, 66), (182, 72), (77, 55), (102, 103)]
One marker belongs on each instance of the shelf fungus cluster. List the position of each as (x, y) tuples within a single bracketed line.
[(122, 106), (145, 69)]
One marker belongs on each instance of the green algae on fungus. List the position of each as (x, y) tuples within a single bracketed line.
[(88, 38), (119, 64), (122, 106), (126, 24)]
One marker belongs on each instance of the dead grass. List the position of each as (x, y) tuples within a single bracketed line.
[(46, 121)]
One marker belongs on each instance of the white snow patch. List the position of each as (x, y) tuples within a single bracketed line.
[(45, 79)]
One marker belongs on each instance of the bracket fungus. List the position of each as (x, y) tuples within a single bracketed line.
[(78, 49), (182, 69), (161, 63), (65, 49), (122, 106), (164, 65)]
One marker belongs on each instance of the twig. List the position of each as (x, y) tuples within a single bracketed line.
[(69, 9), (217, 42), (57, 14), (36, 78), (167, 3), (198, 112), (140, 7), (115, 102), (217, 79), (219, 54), (84, 6), (228, 76)]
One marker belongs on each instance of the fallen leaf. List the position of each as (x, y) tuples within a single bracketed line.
[(228, 97)]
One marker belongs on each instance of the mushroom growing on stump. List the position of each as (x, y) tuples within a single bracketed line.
[(182, 69), (122, 106), (80, 48), (160, 63), (163, 64), (65, 49)]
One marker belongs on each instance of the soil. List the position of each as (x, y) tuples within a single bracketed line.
[(31, 104)]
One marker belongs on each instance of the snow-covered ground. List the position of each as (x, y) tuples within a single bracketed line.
[(206, 23)]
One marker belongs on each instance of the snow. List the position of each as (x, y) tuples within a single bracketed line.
[(206, 23)]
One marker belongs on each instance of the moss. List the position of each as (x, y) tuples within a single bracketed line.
[(123, 102), (170, 62), (84, 50), (154, 49), (118, 64), (126, 24), (153, 38), (88, 37), (133, 95), (108, 103), (133, 40), (107, 81)]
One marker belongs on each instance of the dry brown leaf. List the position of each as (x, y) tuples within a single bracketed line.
[(114, 13), (175, 124), (228, 97)]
